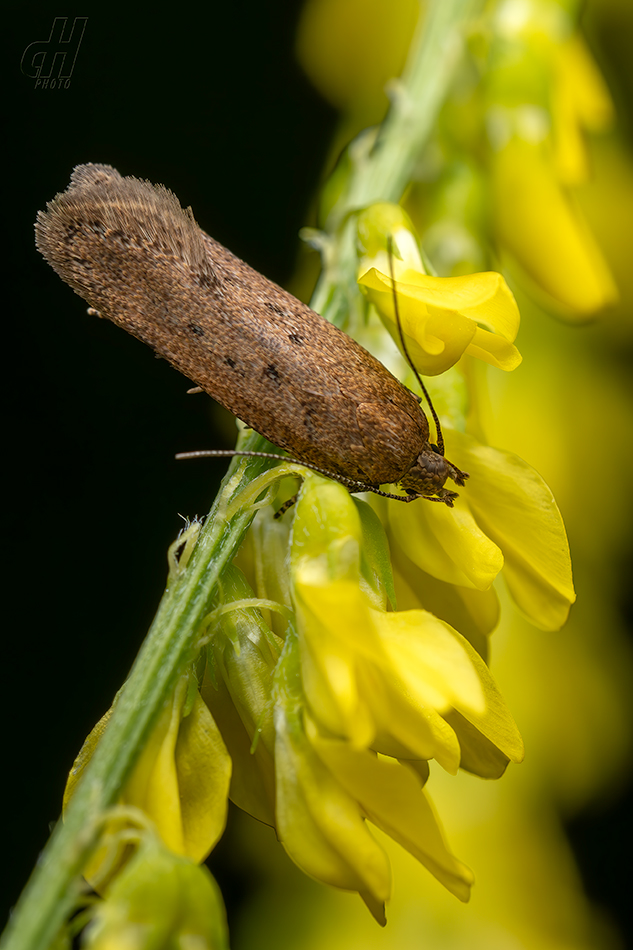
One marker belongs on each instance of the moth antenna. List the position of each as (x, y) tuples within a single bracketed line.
[(350, 483), (229, 453), (438, 428)]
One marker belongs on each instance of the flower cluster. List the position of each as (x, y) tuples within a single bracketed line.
[(328, 725), (499, 174), (511, 152), (542, 90), (335, 724)]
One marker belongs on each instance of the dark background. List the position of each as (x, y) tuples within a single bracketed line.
[(212, 104)]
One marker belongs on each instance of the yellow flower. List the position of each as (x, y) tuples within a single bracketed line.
[(441, 317), (327, 788), (475, 613), (544, 230), (180, 780), (580, 101), (159, 900), (381, 680), (392, 797), (350, 49), (542, 89), (320, 825), (506, 517)]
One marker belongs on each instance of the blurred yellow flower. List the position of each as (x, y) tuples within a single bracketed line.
[(544, 230), (350, 49), (542, 90), (580, 102)]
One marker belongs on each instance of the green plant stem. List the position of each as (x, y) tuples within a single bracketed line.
[(170, 645)]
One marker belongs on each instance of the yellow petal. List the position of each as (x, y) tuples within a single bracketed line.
[(358, 683), (429, 661), (484, 298), (447, 543), (580, 100), (406, 729), (436, 338), (327, 531), (440, 316), (474, 613), (515, 508), (334, 625), (478, 754), (494, 349), (392, 799), (318, 822), (547, 235), (180, 780), (591, 93), (203, 768), (153, 785), (493, 719)]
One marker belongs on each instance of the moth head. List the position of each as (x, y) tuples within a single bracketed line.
[(429, 472)]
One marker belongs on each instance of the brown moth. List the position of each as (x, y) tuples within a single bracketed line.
[(130, 250)]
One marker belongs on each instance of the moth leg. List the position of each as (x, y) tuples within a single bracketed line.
[(448, 497), (456, 474), (286, 505), (443, 495)]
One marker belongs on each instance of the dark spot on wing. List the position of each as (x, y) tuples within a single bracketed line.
[(275, 308), (205, 278)]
